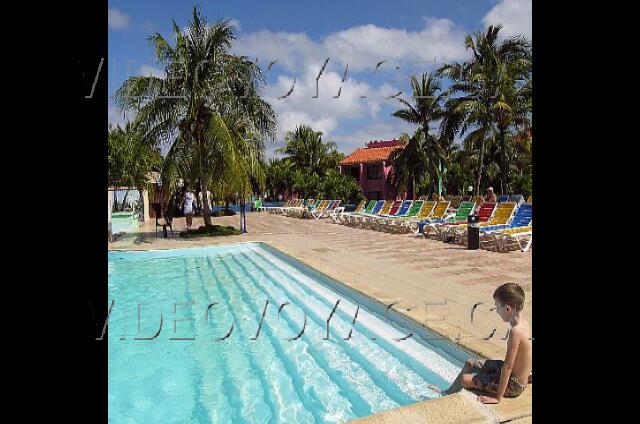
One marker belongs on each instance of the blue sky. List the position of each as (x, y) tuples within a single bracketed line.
[(409, 35)]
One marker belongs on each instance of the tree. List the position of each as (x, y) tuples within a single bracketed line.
[(306, 151), (424, 152), (208, 105), (279, 177), (130, 159), (409, 162), (487, 101), (335, 185)]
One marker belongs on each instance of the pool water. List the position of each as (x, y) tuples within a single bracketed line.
[(187, 374)]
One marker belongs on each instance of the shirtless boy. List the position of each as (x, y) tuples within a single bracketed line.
[(499, 378)]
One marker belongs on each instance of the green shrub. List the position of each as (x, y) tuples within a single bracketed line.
[(213, 231)]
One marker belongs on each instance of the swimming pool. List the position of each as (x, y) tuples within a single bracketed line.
[(204, 364)]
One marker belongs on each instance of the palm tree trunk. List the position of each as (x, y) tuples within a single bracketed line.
[(124, 199), (480, 163), (206, 212), (413, 186), (504, 169)]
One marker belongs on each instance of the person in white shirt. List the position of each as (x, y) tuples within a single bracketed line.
[(189, 205)]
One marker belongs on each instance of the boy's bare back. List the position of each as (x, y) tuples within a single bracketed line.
[(520, 339)]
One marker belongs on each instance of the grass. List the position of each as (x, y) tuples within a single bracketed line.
[(213, 231)]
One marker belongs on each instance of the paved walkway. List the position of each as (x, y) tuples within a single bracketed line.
[(434, 283)]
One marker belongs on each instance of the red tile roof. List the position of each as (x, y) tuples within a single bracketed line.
[(371, 154)]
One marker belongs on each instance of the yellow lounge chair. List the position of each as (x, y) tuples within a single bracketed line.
[(504, 239)]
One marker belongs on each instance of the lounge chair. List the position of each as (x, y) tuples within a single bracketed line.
[(517, 198), (295, 208), (365, 219), (484, 214), (324, 213), (403, 210), (284, 208), (502, 198), (501, 216), (522, 218), (439, 213), (315, 210), (438, 228), (301, 210), (455, 202), (425, 212), (338, 216), (399, 224), (287, 206), (520, 226), (276, 209), (369, 220), (393, 210), (351, 217), (336, 210), (529, 199), (504, 239)]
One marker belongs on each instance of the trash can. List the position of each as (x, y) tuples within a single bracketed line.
[(473, 232)]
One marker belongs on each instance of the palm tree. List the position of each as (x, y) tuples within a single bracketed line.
[(409, 162), (130, 159), (512, 111), (485, 84), (279, 177), (424, 152), (207, 92), (306, 150)]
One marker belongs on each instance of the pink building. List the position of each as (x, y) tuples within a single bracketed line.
[(370, 167)]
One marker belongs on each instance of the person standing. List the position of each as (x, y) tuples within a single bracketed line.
[(189, 205)]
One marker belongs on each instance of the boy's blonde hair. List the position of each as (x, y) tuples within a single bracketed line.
[(510, 294)]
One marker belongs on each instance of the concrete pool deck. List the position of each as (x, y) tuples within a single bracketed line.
[(434, 283)]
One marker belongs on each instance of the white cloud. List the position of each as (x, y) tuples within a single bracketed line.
[(514, 15), (324, 113), (151, 71), (118, 19), (347, 143), (288, 49), (236, 24), (362, 47)]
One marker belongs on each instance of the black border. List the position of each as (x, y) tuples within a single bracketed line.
[(61, 279), (58, 155)]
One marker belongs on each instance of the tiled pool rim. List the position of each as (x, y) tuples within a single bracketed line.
[(448, 347)]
